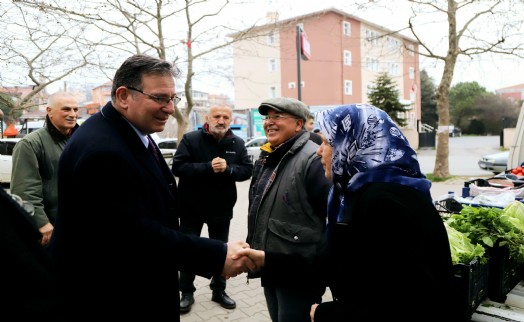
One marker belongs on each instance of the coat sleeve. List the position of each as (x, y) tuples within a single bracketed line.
[(26, 181)]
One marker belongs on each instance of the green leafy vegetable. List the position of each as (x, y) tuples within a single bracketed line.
[(462, 249), (514, 213), (489, 227)]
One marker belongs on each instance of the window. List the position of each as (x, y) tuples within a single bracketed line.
[(372, 64), (411, 73), (6, 147), (291, 85), (302, 84), (372, 37), (272, 91), (171, 144), (392, 43), (394, 69), (347, 57), (411, 50), (272, 65), (348, 87), (346, 28), (271, 38)]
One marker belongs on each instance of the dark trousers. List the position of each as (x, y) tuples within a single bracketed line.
[(216, 230), (291, 305)]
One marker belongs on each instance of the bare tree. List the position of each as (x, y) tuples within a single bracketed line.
[(154, 28), (474, 28), (37, 50)]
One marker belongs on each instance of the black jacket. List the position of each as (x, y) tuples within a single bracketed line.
[(115, 241), (28, 277), (204, 194)]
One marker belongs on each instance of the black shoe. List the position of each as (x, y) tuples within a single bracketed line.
[(225, 301), (185, 302)]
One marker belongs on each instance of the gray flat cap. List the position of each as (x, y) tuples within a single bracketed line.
[(285, 105)]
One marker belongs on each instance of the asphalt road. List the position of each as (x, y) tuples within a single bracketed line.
[(464, 154)]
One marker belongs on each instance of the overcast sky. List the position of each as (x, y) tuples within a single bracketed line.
[(490, 71)]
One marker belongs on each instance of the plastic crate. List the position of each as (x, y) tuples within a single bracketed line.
[(504, 273), (470, 286)]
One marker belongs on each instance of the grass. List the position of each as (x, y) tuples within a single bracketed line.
[(432, 178)]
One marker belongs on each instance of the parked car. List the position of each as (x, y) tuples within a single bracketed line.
[(6, 159), (168, 147), (496, 162), (455, 131), (253, 146)]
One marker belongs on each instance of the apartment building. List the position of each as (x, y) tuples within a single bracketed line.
[(346, 55), (513, 93)]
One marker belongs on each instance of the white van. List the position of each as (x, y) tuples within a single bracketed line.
[(28, 127)]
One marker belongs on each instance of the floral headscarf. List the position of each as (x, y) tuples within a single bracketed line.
[(367, 147)]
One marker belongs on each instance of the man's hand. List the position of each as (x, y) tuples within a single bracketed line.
[(46, 231), (257, 256), (233, 267), (219, 164)]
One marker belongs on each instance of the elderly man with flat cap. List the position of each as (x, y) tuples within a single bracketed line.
[(287, 208)]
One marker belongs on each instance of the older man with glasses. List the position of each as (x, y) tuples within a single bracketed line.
[(287, 208)]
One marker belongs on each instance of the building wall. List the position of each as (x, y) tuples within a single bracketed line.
[(251, 69), (102, 94), (514, 93), (323, 76)]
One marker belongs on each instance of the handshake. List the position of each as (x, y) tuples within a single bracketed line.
[(241, 258)]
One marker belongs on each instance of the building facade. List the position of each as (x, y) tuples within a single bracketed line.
[(513, 93), (346, 55)]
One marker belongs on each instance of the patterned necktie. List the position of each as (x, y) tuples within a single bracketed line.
[(152, 148)]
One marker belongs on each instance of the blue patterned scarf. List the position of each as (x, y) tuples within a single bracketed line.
[(367, 147)]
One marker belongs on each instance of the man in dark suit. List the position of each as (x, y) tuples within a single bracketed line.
[(116, 241)]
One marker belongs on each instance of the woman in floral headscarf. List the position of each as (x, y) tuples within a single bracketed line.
[(389, 255), (387, 241)]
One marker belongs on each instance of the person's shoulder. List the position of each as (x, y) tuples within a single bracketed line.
[(35, 137), (193, 134), (35, 134)]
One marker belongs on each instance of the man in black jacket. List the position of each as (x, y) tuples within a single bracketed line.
[(208, 163)]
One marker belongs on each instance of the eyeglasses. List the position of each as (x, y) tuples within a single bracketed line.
[(276, 117), (158, 99)]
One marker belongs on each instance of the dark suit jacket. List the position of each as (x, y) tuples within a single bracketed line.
[(116, 244), (27, 276)]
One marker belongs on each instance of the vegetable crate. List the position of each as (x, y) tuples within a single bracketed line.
[(504, 273), (470, 286)]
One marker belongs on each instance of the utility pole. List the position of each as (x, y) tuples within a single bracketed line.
[(299, 58), (303, 52)]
